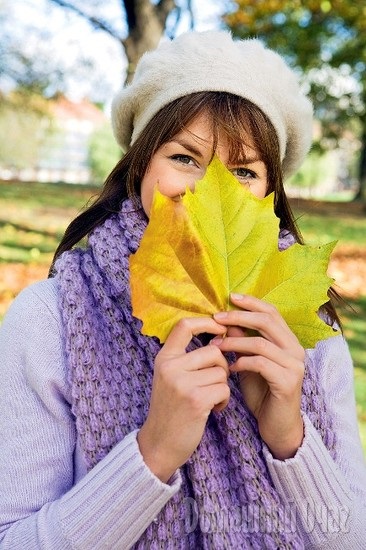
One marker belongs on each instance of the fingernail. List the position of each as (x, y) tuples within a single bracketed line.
[(221, 315), (216, 341), (236, 296)]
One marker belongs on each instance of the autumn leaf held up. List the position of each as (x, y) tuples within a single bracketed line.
[(217, 240)]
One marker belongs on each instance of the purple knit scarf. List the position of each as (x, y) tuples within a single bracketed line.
[(227, 499)]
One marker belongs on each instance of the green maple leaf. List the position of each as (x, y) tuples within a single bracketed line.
[(222, 239)]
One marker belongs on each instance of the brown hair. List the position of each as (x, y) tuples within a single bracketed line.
[(231, 115)]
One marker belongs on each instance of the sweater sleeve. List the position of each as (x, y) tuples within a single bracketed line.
[(328, 496), (40, 504)]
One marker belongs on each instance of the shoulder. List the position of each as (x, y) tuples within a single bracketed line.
[(31, 341), (40, 297)]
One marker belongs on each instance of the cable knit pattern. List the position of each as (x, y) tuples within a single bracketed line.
[(110, 365)]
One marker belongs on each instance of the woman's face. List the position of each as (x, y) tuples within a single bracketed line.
[(181, 162)]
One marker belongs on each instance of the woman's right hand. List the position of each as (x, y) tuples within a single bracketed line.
[(186, 388)]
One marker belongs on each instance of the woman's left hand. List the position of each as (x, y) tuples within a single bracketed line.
[(271, 370)]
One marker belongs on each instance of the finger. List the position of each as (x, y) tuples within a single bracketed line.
[(186, 328), (272, 321), (269, 323), (217, 395), (261, 322), (208, 377), (198, 359), (272, 372), (237, 331), (256, 345), (251, 303)]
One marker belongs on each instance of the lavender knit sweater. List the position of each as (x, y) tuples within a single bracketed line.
[(49, 501)]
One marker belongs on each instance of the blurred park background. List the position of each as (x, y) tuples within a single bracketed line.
[(61, 62)]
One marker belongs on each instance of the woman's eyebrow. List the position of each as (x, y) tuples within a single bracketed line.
[(187, 145), (247, 160)]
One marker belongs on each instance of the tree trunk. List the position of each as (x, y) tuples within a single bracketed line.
[(146, 22), (361, 193)]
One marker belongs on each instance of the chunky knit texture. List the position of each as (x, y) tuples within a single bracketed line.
[(110, 369)]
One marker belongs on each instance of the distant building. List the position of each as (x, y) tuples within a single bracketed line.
[(63, 154)]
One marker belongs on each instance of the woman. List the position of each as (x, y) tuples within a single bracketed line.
[(111, 440)]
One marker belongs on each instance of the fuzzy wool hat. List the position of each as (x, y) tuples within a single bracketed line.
[(213, 61)]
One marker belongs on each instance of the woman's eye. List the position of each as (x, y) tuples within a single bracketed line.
[(183, 159), (243, 173)]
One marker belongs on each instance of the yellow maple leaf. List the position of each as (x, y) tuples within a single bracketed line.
[(222, 239)]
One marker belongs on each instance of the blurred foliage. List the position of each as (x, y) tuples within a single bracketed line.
[(33, 217), (326, 39), (18, 65), (38, 48), (25, 125), (104, 152), (350, 232), (315, 169), (341, 226), (39, 53)]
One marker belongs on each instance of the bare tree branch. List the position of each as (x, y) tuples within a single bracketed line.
[(191, 16), (95, 22), (178, 11), (163, 8), (146, 22)]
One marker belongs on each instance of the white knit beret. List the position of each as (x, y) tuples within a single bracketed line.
[(213, 61)]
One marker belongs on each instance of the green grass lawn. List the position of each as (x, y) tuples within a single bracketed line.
[(342, 228), (354, 321), (34, 216), (349, 231)]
